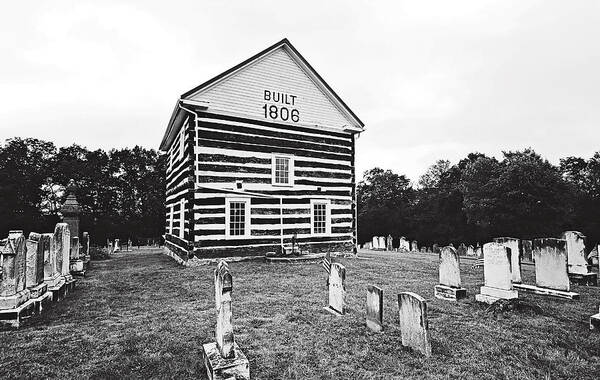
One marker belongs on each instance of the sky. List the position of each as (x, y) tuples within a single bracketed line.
[(430, 79)]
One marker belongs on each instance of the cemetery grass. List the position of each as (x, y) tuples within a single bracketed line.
[(140, 315)]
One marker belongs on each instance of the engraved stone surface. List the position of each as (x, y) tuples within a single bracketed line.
[(224, 328), (576, 252), (551, 270), (496, 266), (414, 325), (374, 308), (514, 245), (337, 287), (62, 247), (450, 267)]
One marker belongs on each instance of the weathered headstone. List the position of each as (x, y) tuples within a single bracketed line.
[(471, 251), (224, 359), (436, 248), (423, 249), (450, 287), (551, 274), (52, 275), (35, 266), (404, 245), (13, 292), (479, 250), (462, 249), (514, 245), (389, 243), (62, 246), (117, 247), (579, 268), (374, 308), (414, 324), (414, 246), (497, 274), (337, 289), (375, 242), (595, 321)]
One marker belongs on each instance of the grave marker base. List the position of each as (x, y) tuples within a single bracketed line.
[(14, 301), (595, 322), (38, 290), (490, 295), (444, 292), (218, 368), (14, 316), (77, 267), (41, 302), (546, 291), (333, 311), (587, 279)]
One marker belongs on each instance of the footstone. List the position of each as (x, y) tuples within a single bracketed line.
[(450, 287), (579, 269), (337, 289), (414, 324), (218, 368), (374, 308), (497, 274), (595, 321), (514, 245)]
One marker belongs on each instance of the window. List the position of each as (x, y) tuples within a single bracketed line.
[(237, 221), (320, 217), (182, 218), (283, 170)]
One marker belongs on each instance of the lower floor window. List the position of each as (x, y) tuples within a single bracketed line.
[(237, 217), (319, 218)]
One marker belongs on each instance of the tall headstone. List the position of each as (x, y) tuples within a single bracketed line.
[(374, 308), (450, 287), (414, 246), (414, 324), (224, 359), (479, 250), (117, 247), (497, 274), (579, 268), (62, 246), (382, 243), (13, 292), (471, 251), (527, 250), (389, 243), (436, 248), (70, 211), (514, 245), (35, 266), (404, 245), (462, 249), (337, 289), (375, 242)]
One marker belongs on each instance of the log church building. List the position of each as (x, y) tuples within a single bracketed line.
[(258, 156)]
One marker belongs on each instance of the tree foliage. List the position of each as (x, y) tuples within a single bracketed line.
[(121, 192)]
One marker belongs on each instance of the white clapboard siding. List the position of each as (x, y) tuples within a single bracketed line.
[(242, 93)]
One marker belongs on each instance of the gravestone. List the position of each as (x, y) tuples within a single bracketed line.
[(13, 258), (404, 245), (579, 269), (423, 249), (527, 250), (375, 242), (551, 273), (497, 274), (462, 249), (374, 308), (479, 251), (414, 324), (337, 289), (595, 321), (85, 249), (414, 246), (471, 251), (52, 275), (62, 246), (224, 359), (35, 266), (450, 287), (436, 248), (117, 247), (514, 245), (388, 243)]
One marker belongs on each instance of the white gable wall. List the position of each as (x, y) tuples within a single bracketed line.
[(242, 93)]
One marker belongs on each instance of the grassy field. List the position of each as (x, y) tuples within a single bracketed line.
[(140, 315)]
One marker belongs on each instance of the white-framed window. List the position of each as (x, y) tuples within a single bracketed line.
[(320, 217), (181, 218), (171, 219), (237, 219), (282, 170)]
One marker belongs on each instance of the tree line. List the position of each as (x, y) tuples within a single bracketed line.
[(480, 197), (121, 192)]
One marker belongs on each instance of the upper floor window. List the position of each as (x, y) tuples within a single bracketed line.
[(283, 170)]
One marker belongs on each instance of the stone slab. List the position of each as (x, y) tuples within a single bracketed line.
[(77, 267), (218, 368), (444, 292), (374, 308), (587, 279), (496, 266), (547, 291), (14, 317), (337, 287), (491, 295), (550, 256), (449, 267), (15, 300), (414, 323), (38, 290)]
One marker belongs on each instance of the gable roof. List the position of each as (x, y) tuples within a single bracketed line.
[(186, 98)]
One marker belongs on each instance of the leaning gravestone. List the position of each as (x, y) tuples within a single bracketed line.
[(374, 308), (337, 289), (497, 274), (414, 324), (514, 245), (450, 284), (224, 359), (388, 243), (551, 275), (579, 269)]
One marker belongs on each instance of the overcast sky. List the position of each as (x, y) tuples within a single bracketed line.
[(430, 79)]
